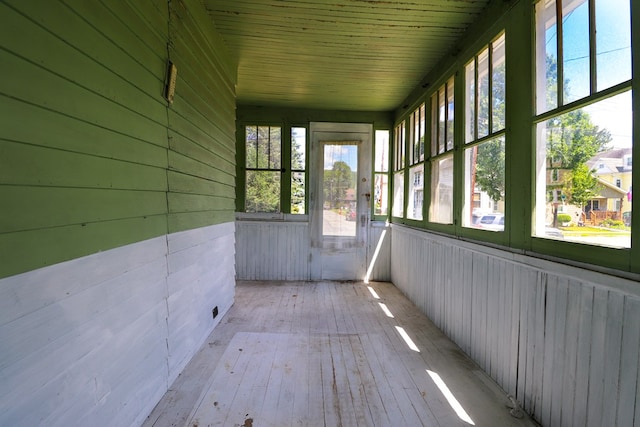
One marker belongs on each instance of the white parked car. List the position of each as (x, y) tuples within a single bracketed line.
[(493, 221)]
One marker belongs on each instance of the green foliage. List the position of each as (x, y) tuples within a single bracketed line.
[(563, 217), (572, 139), (297, 193), (263, 191), (263, 147), (612, 223), (490, 158), (297, 178), (490, 155), (583, 185), (336, 182), (263, 151)]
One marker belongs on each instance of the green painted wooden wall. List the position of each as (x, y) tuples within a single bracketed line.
[(92, 156)]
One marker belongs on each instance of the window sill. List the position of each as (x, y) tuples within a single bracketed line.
[(281, 217)]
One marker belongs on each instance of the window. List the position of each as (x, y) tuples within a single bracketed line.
[(484, 154), (441, 208), (477, 202), (271, 187), (416, 159), (298, 173), (398, 170), (381, 174), (583, 103), (628, 162), (263, 149)]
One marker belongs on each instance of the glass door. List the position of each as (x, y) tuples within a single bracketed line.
[(340, 199), (339, 189)]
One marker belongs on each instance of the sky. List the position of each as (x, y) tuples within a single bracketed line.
[(345, 153), (613, 62)]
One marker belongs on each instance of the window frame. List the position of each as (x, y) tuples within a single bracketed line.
[(438, 152), (399, 166), (285, 172), (517, 22), (291, 170), (618, 258), (388, 172), (416, 156), (476, 139)]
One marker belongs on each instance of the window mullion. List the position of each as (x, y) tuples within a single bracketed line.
[(490, 81), (257, 145), (476, 100), (592, 48), (560, 60), (285, 168), (446, 113), (269, 149)]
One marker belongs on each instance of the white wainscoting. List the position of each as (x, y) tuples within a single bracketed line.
[(564, 341), (281, 250), (97, 340), (278, 250)]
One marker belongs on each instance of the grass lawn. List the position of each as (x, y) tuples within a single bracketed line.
[(594, 231)]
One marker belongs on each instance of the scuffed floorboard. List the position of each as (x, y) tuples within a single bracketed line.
[(329, 354)]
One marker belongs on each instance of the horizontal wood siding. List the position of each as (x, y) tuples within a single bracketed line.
[(201, 122), (116, 231), (98, 340), (81, 343), (92, 157), (201, 276), (561, 340), (84, 138)]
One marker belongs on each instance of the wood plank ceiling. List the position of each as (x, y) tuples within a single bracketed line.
[(362, 55)]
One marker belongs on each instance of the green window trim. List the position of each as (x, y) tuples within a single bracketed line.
[(284, 165)]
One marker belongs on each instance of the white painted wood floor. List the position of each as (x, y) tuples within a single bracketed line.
[(329, 354)]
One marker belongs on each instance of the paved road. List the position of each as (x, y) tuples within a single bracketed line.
[(610, 241), (337, 225)]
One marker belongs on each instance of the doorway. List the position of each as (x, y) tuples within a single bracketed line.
[(340, 199)]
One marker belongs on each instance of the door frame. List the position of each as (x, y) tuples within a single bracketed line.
[(338, 257)]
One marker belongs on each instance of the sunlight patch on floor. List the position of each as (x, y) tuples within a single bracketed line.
[(407, 339), (457, 407)]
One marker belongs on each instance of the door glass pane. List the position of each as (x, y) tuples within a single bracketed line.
[(340, 170)]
